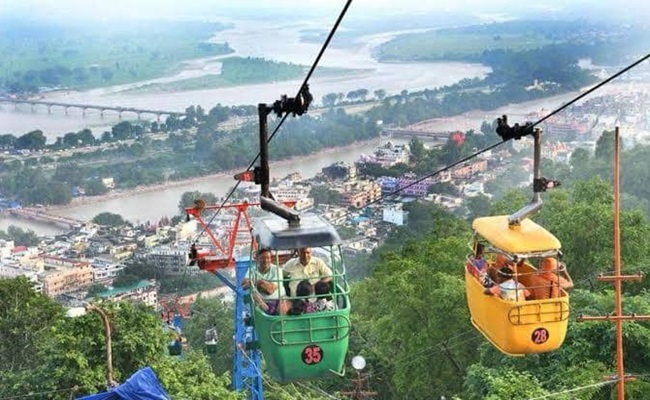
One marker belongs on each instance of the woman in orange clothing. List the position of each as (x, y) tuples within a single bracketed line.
[(547, 282)]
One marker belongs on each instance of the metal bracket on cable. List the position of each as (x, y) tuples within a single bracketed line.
[(543, 184), (295, 105), (516, 132)]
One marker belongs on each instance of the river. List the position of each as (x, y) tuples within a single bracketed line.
[(152, 205), (249, 39)]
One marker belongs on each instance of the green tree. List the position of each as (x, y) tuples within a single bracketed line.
[(34, 140), (501, 383), (605, 147), (418, 152), (477, 206), (579, 159), (188, 199), (125, 279), (109, 219), (207, 314), (24, 317), (95, 289), (190, 377), (329, 100), (324, 195), (400, 310), (95, 187), (20, 237)]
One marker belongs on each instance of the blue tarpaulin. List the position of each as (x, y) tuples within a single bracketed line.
[(143, 385)]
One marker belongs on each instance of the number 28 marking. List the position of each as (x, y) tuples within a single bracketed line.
[(312, 354), (540, 336)]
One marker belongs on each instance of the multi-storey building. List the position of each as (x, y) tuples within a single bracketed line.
[(170, 260), (298, 193), (105, 269), (394, 214), (469, 169), (359, 193), (6, 248), (61, 280), (391, 154), (142, 291), (14, 271)]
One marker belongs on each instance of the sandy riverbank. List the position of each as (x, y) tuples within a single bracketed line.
[(124, 193)]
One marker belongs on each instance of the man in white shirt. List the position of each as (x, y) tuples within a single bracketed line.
[(306, 267), (507, 288), (268, 282)]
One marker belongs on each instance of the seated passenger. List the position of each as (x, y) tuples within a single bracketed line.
[(269, 291), (547, 282), (304, 304), (507, 288), (479, 264), (500, 261), (324, 303), (306, 267)]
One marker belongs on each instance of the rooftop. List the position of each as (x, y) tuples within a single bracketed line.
[(124, 289)]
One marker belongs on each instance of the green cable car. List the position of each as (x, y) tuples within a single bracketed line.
[(312, 344), (211, 339)]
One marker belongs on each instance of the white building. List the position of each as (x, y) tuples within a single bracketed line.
[(394, 214), (170, 260), (6, 248), (105, 269), (11, 271), (143, 291)]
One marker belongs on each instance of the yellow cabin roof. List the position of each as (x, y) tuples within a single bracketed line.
[(528, 237)]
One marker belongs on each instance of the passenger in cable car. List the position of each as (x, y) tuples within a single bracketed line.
[(479, 264), (306, 266), (507, 288), (547, 282), (492, 275), (305, 304), (270, 292), (324, 301), (193, 255)]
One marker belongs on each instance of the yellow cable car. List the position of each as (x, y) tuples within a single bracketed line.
[(516, 293), (518, 326)]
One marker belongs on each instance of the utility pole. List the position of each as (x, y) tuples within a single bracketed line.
[(617, 278), (359, 363)]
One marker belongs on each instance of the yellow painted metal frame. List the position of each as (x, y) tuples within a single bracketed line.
[(527, 237), (511, 326), (514, 327)]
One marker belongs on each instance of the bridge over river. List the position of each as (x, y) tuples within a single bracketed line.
[(84, 107), (41, 216)]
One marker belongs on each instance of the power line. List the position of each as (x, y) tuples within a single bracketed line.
[(23, 396), (316, 389), (577, 389), (302, 86)]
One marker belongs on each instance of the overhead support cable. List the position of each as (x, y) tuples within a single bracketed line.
[(301, 89)]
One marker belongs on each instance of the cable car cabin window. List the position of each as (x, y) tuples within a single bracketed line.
[(543, 275), (310, 280)]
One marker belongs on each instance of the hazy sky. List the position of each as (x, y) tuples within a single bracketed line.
[(211, 8)]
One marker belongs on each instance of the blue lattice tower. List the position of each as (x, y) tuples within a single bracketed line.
[(247, 372)]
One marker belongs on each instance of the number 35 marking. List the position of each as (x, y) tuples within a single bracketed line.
[(539, 336), (312, 354)]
